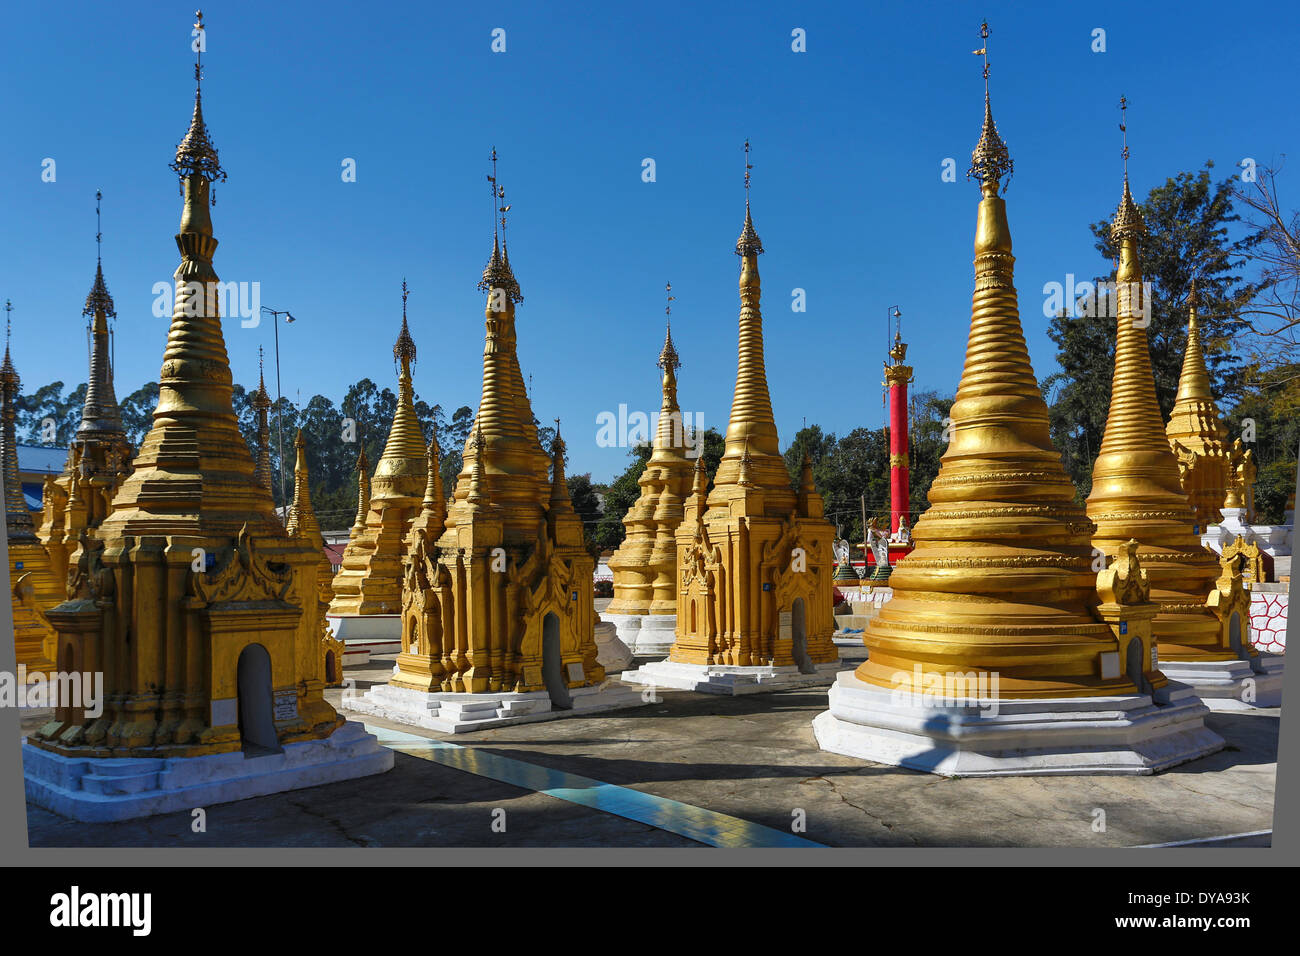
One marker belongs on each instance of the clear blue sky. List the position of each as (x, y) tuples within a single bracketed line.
[(848, 141)]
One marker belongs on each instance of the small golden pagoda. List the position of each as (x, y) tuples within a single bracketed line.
[(1196, 433), (100, 456), (754, 559), (363, 495), (302, 522), (197, 607), (261, 403), (1002, 651), (645, 565), (1136, 492), (498, 616), (32, 584), (369, 581)]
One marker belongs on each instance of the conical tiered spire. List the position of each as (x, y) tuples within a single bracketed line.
[(1195, 431), (100, 414), (261, 402), (363, 492), (645, 564), (302, 517), (1136, 492), (18, 519), (369, 581), (751, 424), (1001, 578)]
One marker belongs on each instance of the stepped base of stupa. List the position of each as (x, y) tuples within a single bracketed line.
[(449, 712), (992, 738), (1231, 686), (108, 789), (647, 636), (725, 679)]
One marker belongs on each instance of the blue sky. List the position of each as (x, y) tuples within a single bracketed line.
[(849, 139)]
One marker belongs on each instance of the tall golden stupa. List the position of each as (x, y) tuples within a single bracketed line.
[(192, 601), (1136, 492), (1196, 432), (32, 583), (302, 522), (370, 579), (754, 563), (100, 456), (644, 608), (497, 617), (997, 654)]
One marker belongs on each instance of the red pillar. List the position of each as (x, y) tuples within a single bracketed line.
[(898, 457)]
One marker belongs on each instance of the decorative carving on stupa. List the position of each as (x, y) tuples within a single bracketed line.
[(33, 585), (302, 523), (645, 564), (1136, 491), (505, 575), (191, 582), (1196, 433), (261, 402), (754, 559), (1001, 579), (370, 577), (99, 457)]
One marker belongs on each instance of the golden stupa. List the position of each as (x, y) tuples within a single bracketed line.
[(645, 564), (192, 600), (1002, 651), (302, 522), (754, 558), (1136, 492), (100, 456), (1001, 578), (363, 495), (1196, 433), (370, 578), (32, 583), (497, 615)]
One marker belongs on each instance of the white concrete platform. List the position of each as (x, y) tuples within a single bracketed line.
[(453, 713), (1231, 686), (990, 738), (649, 636), (723, 679), (107, 789), (376, 633)]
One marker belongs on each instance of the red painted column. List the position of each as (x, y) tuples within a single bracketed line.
[(898, 376), (898, 457)]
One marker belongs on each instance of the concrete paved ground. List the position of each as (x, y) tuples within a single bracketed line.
[(751, 757)]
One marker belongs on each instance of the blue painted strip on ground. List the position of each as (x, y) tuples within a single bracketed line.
[(694, 823)]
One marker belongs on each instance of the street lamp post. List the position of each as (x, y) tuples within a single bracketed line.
[(279, 411)]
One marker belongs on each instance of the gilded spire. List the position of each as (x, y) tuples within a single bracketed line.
[(748, 244), (18, 519), (560, 500), (668, 356), (196, 155), (302, 517), (404, 452), (100, 414), (751, 428), (435, 502), (498, 274), (1194, 379), (363, 491), (99, 300), (990, 160), (261, 402)]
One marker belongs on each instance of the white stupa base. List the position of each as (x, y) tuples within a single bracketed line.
[(375, 633), (648, 636), (723, 679), (1071, 735), (611, 653), (458, 713), (108, 789), (1234, 686)]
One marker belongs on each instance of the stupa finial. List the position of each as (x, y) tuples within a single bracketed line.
[(196, 154), (990, 160), (748, 244)]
